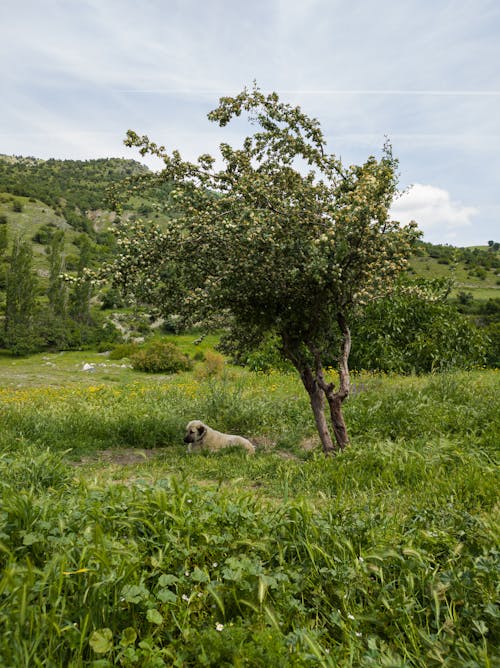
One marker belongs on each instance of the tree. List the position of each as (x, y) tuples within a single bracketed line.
[(284, 239), (82, 291), (3, 249), (57, 291), (21, 284)]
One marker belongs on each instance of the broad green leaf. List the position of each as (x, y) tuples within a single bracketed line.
[(101, 641)]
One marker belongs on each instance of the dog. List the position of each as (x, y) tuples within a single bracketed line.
[(199, 434)]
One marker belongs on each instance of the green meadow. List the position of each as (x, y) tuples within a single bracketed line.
[(120, 548)]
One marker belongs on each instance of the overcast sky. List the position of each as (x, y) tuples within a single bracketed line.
[(76, 74)]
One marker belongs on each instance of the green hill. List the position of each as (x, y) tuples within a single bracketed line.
[(474, 270), (72, 188)]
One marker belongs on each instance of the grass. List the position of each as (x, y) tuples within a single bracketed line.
[(117, 547), (429, 268), (26, 223)]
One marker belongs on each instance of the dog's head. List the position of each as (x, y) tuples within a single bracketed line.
[(195, 431)]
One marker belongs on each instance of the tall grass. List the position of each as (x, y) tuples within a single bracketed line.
[(384, 556)]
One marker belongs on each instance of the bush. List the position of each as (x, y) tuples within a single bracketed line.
[(160, 357), (123, 350), (17, 206), (45, 234), (111, 298), (267, 357), (213, 367), (405, 334)]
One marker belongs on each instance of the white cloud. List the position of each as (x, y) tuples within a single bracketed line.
[(437, 215)]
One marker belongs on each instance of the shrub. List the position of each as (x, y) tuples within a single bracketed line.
[(160, 357), (123, 350), (45, 234), (17, 206), (405, 334), (213, 367), (267, 357)]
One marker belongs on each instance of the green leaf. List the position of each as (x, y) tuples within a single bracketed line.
[(166, 596), (101, 641), (135, 593), (199, 576), (166, 580), (154, 616), (129, 636)]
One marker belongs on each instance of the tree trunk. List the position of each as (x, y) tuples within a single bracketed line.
[(318, 389), (338, 423), (335, 399), (317, 404)]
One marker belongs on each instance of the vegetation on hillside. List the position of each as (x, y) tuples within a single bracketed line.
[(70, 187)]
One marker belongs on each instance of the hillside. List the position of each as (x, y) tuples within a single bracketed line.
[(473, 270), (70, 187)]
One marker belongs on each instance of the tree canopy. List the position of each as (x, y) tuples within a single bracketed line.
[(282, 238)]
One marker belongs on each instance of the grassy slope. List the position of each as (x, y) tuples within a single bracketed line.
[(27, 222), (428, 267), (386, 555)]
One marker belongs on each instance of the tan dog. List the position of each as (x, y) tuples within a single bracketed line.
[(199, 434)]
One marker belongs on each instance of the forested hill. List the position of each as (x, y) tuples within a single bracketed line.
[(70, 187)]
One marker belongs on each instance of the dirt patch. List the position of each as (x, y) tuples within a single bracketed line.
[(263, 443), (285, 454), (121, 456), (311, 443)]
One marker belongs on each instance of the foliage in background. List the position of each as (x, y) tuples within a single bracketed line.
[(20, 334), (31, 324), (71, 187), (474, 269), (404, 333)]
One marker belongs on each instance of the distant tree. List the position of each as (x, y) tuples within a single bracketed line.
[(465, 298), (3, 238), (3, 250), (279, 250), (58, 288), (21, 284), (82, 290)]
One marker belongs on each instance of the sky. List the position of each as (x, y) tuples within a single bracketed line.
[(75, 75)]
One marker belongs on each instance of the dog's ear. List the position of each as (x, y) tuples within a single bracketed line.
[(201, 430)]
